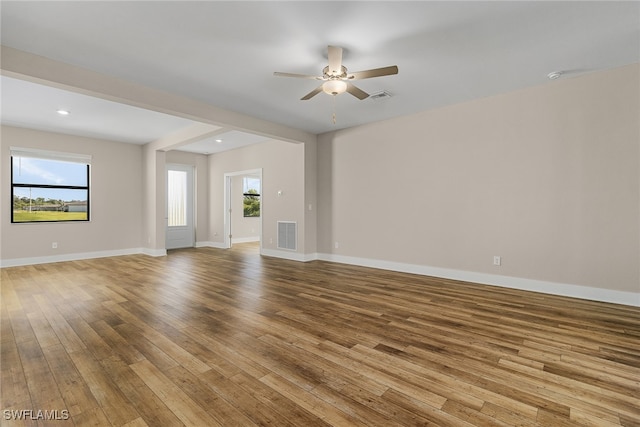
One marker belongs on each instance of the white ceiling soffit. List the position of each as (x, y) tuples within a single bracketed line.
[(223, 141), (36, 106), (225, 53)]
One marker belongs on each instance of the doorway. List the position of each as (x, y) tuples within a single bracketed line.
[(180, 231), (243, 207)]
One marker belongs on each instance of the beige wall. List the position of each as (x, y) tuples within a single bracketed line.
[(547, 178), (282, 165), (116, 203), (152, 193), (133, 176)]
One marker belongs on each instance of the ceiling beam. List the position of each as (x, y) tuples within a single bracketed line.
[(38, 69), (193, 133)]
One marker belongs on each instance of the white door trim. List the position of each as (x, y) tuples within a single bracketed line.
[(227, 204)]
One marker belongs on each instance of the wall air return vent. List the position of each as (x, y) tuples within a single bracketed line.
[(287, 235)]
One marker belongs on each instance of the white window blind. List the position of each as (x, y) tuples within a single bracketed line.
[(176, 198), (59, 156)]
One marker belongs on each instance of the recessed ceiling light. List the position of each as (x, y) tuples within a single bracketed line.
[(63, 112), (218, 141)]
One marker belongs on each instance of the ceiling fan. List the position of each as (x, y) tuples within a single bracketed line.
[(337, 79)]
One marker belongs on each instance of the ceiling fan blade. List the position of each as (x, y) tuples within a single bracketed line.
[(299, 76), (356, 91), (376, 72), (335, 60), (312, 93)]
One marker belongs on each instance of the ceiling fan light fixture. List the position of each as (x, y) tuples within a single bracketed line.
[(334, 87)]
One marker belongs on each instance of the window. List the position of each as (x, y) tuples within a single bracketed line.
[(49, 186), (251, 194), (176, 198)]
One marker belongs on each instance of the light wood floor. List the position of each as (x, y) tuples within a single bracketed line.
[(208, 337)]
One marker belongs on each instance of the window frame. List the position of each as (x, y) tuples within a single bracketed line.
[(57, 157), (246, 194)]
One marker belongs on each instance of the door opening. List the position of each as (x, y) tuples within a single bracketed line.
[(179, 210), (243, 207)]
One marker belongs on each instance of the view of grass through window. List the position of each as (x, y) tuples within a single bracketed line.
[(49, 190)]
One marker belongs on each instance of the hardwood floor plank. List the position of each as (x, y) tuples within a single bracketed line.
[(150, 407), (585, 396), (43, 331), (14, 389), (199, 391), (489, 377), (338, 371), (171, 395), (118, 345), (160, 340), (75, 392), (138, 422), (292, 413), (92, 418), (148, 349), (505, 416), (113, 403), (228, 337), (311, 403), (59, 324), (452, 387), (232, 392), (43, 389), (589, 419), (21, 326), (234, 359), (397, 380), (470, 415), (434, 416), (396, 414)]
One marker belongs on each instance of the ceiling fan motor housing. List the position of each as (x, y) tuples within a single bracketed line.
[(332, 75)]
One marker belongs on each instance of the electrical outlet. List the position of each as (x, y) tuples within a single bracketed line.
[(54, 245), (336, 245), (497, 260)]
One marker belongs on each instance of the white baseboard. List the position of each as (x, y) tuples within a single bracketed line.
[(15, 262), (154, 252), (220, 245), (250, 239), (208, 244), (294, 256), (563, 289), (575, 291)]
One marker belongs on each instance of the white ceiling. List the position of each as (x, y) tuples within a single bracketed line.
[(225, 53), (30, 105)]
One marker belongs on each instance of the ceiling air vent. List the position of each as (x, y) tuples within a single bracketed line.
[(378, 96)]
